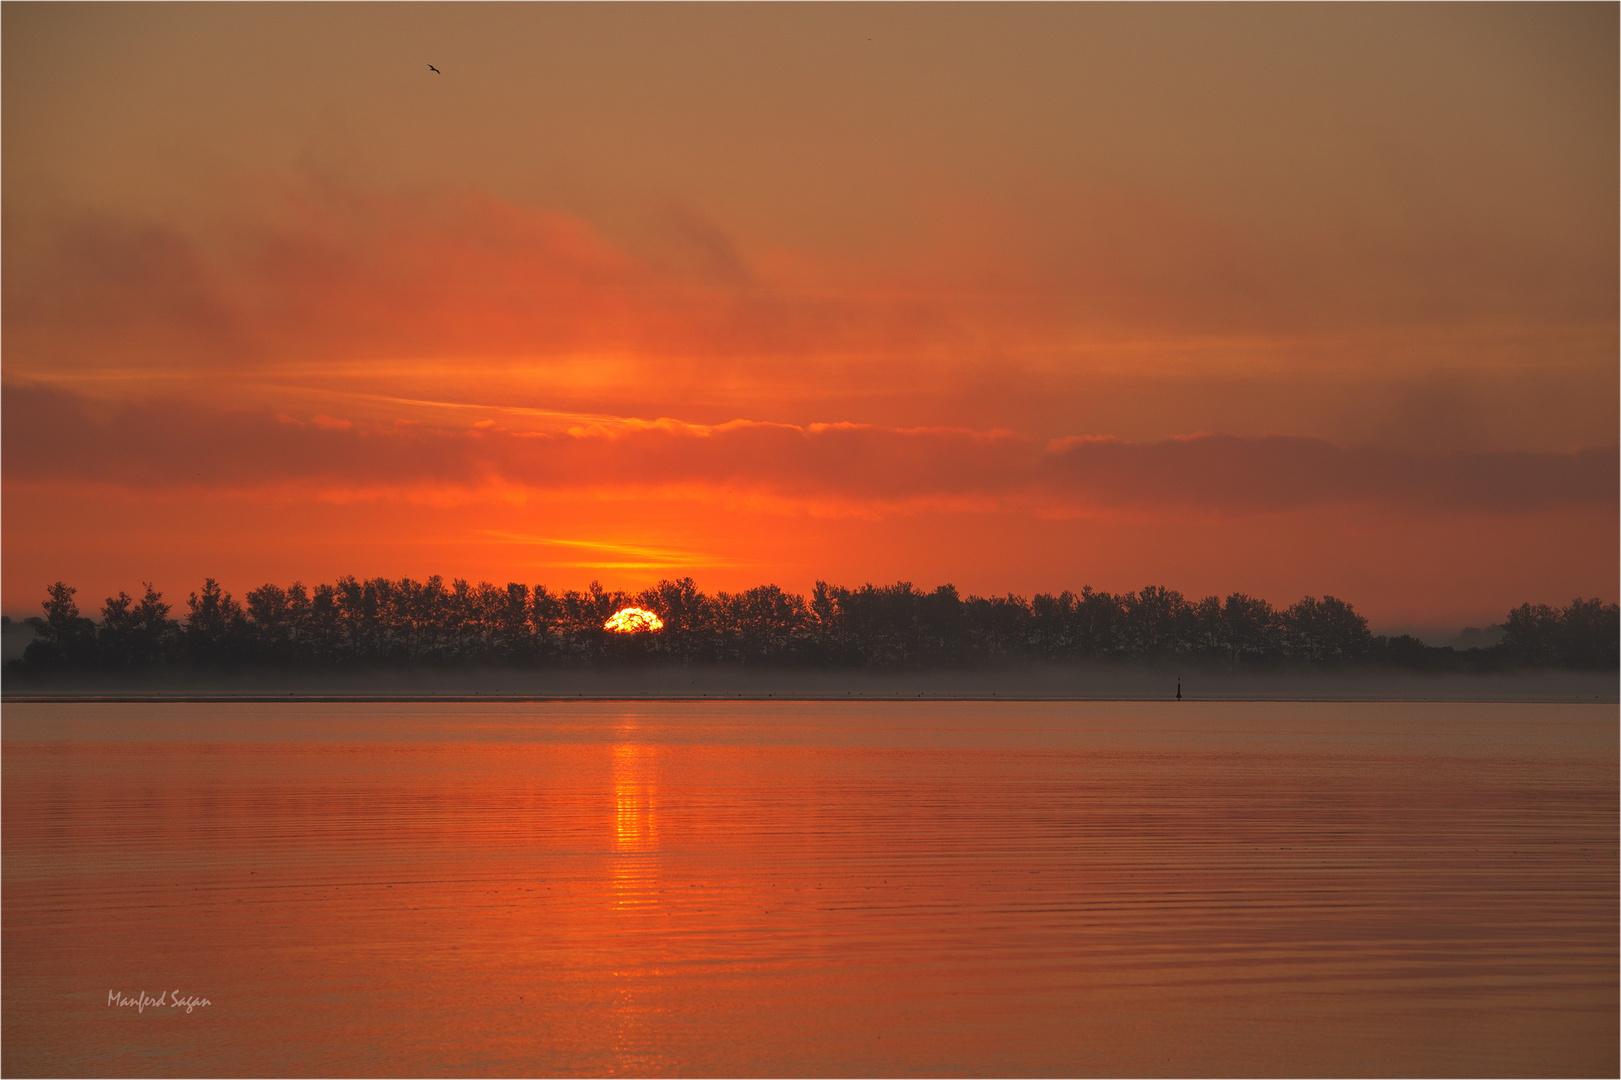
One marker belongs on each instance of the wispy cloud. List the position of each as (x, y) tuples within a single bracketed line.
[(555, 417), (633, 556), (52, 434)]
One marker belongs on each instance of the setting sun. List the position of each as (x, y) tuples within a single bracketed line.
[(634, 620)]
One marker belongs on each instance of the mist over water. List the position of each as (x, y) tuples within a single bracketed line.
[(731, 888)]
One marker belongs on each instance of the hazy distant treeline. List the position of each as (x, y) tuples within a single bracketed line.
[(385, 622)]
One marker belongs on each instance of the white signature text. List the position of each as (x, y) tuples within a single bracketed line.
[(168, 999)]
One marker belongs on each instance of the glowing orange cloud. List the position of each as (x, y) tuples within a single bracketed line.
[(992, 319), (52, 435)]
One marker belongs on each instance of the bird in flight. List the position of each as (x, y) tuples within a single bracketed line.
[(435, 70)]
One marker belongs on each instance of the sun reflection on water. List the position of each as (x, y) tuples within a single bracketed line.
[(633, 892), (636, 833)]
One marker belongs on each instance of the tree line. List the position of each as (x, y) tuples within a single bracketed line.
[(384, 622)]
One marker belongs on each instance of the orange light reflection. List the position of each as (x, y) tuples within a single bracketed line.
[(635, 862)]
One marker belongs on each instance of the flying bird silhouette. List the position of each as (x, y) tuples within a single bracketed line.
[(435, 70)]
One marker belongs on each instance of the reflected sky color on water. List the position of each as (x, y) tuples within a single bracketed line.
[(796, 889), (636, 831)]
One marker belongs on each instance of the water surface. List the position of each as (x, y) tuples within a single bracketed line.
[(812, 889)]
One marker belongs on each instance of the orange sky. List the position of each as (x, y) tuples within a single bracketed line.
[(1283, 299)]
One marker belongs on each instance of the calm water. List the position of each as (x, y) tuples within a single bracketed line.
[(769, 889)]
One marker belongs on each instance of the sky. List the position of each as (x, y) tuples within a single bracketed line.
[(1281, 299)]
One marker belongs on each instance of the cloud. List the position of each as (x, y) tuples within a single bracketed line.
[(1284, 472), (52, 435), (329, 274), (1098, 311), (326, 273), (606, 555)]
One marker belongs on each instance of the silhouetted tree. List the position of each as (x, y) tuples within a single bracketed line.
[(1099, 625), (583, 614), (1324, 630), (408, 622), (117, 624), (688, 635), (546, 621), (1249, 629), (1157, 623), (1588, 632), (270, 621), (1407, 651), (1531, 635), (1582, 635), (63, 636), (998, 627), (215, 626), (154, 635)]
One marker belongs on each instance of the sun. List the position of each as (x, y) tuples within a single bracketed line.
[(633, 620)]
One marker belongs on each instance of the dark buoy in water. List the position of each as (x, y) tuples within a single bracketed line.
[(1179, 689)]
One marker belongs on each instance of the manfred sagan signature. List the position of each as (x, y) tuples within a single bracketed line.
[(169, 999)]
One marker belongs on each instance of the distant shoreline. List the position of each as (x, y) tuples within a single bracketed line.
[(1056, 683), (898, 699)]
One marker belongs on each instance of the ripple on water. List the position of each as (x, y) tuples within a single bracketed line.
[(796, 888)]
